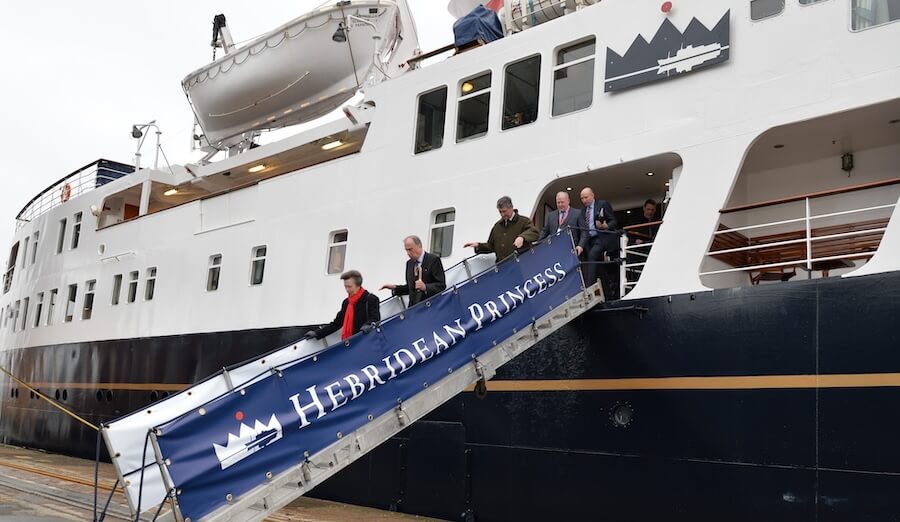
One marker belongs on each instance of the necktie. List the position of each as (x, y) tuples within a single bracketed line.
[(590, 219), (562, 217)]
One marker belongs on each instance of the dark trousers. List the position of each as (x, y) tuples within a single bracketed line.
[(608, 273)]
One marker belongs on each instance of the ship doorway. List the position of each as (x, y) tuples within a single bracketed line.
[(812, 200), (627, 187)]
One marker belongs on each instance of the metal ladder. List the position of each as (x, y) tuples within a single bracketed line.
[(281, 489)]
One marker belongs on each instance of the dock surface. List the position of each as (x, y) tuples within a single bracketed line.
[(37, 486)]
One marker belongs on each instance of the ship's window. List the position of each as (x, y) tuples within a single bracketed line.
[(116, 288), (212, 274), (150, 284), (760, 9), (51, 306), (865, 14), (15, 315), (430, 122), (810, 2), (25, 302), (88, 309), (573, 78), (25, 251), (337, 251), (37, 236), (442, 232), (10, 267), (39, 307), (474, 102), (132, 285), (70, 303), (520, 94), (76, 230), (62, 236), (258, 265)]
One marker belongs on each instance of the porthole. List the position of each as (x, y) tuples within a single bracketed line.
[(154, 396), (621, 415), (109, 395), (99, 395), (57, 395), (165, 394), (17, 393), (101, 248), (65, 395), (31, 393)]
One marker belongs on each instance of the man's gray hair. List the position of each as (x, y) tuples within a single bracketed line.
[(415, 239), (504, 202), (352, 274)]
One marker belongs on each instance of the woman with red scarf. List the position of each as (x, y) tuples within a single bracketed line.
[(359, 312)]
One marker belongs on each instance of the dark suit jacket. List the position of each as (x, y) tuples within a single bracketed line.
[(609, 238), (573, 220), (432, 276), (365, 311)]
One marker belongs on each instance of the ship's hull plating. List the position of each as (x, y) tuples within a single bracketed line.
[(774, 402)]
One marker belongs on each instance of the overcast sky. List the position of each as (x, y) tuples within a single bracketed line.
[(77, 75)]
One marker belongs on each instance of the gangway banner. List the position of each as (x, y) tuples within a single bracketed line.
[(237, 441)]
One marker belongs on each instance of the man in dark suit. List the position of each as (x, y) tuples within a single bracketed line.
[(424, 273), (600, 241), (564, 216), (359, 312)]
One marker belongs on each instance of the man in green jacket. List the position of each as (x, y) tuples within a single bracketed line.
[(513, 232)]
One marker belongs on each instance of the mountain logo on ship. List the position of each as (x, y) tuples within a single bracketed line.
[(248, 441), (669, 54)]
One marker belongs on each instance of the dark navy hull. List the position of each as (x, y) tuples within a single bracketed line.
[(774, 402)]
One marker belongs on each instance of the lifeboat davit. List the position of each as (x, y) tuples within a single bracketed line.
[(298, 72)]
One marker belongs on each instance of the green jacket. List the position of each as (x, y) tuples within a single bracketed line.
[(500, 241)]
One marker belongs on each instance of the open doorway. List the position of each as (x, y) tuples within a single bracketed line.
[(627, 187)]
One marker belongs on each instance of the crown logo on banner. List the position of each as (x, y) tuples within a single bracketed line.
[(248, 441)]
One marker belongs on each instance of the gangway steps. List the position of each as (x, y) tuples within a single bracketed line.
[(281, 489)]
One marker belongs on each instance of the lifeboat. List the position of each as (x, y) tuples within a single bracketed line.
[(295, 73)]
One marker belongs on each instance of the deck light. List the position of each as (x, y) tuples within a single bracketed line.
[(467, 87), (257, 168), (332, 144), (847, 162), (340, 34), (170, 192), (649, 173)]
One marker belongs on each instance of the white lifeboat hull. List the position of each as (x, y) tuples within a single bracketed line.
[(293, 74)]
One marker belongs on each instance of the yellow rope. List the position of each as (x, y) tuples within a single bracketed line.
[(48, 399)]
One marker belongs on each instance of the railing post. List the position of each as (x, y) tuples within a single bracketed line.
[(808, 239), (623, 272)]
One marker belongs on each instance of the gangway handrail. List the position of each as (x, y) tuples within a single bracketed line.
[(811, 195)]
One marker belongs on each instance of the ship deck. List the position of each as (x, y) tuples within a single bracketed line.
[(47, 487)]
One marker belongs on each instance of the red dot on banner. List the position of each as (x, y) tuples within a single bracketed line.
[(666, 7), (239, 416)]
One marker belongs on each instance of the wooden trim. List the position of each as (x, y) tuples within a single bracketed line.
[(642, 225), (441, 50), (811, 195)]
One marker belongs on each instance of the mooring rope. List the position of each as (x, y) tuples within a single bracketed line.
[(48, 399)]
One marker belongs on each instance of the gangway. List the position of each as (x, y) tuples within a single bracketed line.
[(243, 453)]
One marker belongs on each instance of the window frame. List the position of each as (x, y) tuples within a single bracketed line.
[(51, 305), (76, 230), (850, 22), (61, 241), (71, 298), (538, 102), (558, 66), (210, 266), (25, 243), (256, 258), (38, 309), (474, 94), (34, 245), (446, 89), (334, 244), (117, 289), (769, 17), (134, 277), (433, 226), (87, 302), (26, 302), (150, 283)]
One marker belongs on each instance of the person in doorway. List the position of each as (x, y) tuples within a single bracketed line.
[(600, 242), (511, 233), (424, 273), (645, 234), (359, 311), (564, 216)]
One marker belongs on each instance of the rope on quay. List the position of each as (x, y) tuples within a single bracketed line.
[(48, 399)]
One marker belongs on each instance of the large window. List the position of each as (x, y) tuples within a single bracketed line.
[(116, 288), (474, 103), (520, 93), (258, 265), (430, 121), (61, 241), (337, 251), (212, 273), (88, 309), (760, 9), (76, 230), (51, 306), (70, 303), (38, 308), (573, 78), (150, 284), (442, 232), (133, 285), (870, 13)]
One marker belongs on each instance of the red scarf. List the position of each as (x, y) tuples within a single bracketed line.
[(347, 331)]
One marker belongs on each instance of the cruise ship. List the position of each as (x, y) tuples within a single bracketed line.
[(744, 365)]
